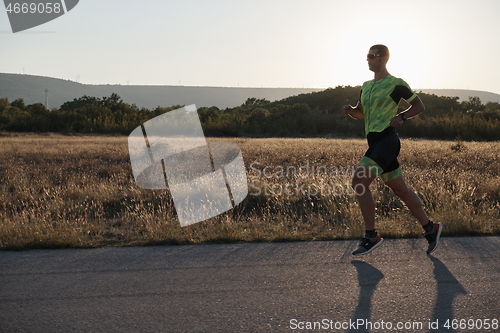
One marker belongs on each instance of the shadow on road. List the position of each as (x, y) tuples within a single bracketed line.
[(368, 278), (448, 288)]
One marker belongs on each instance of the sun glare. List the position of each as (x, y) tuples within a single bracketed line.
[(352, 35), (350, 66)]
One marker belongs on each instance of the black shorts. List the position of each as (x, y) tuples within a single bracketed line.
[(382, 153)]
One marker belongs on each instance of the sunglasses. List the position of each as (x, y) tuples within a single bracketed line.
[(372, 55)]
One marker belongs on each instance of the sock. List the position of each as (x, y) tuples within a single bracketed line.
[(371, 233), (429, 226)]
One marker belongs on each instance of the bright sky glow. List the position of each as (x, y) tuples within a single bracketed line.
[(261, 43)]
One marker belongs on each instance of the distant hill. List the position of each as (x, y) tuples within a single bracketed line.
[(32, 89), (464, 94)]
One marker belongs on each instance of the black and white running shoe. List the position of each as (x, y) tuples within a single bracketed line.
[(433, 237), (368, 244)]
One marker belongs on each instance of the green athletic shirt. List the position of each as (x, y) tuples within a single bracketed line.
[(380, 101)]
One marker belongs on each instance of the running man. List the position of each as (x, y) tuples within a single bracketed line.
[(378, 106)]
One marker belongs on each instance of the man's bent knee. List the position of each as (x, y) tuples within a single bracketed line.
[(359, 188), (362, 179)]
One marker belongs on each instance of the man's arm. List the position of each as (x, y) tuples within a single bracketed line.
[(416, 108), (355, 112)]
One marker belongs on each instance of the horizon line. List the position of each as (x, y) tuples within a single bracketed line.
[(236, 87)]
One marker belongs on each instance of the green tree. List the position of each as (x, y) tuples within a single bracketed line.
[(19, 103), (474, 104)]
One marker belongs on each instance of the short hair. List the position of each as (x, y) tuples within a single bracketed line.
[(382, 49)]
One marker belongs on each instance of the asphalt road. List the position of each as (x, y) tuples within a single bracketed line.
[(263, 287)]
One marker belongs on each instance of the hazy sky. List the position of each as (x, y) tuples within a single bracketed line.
[(261, 43)]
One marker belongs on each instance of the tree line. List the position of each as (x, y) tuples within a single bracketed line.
[(313, 114)]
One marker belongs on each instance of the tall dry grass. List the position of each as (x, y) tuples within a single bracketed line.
[(78, 191)]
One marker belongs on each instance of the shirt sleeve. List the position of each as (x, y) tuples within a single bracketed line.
[(403, 91)]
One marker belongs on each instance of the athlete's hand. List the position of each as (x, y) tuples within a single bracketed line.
[(355, 112), (397, 121), (346, 109)]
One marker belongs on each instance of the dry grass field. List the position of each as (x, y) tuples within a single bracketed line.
[(78, 191)]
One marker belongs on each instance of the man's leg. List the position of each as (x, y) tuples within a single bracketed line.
[(412, 201), (361, 181), (414, 204)]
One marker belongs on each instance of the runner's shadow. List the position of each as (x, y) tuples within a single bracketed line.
[(448, 288), (368, 278)]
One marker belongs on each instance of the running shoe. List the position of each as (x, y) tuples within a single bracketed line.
[(368, 244), (433, 237)]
